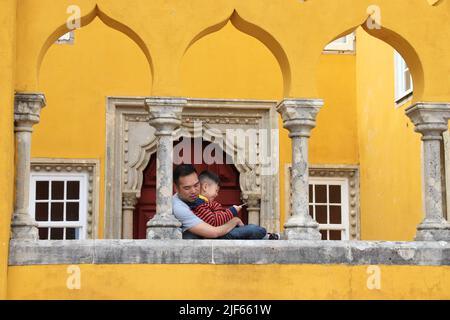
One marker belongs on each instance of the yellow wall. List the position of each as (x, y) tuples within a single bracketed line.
[(334, 140), (391, 198), (229, 282), (359, 122), (7, 77), (76, 80)]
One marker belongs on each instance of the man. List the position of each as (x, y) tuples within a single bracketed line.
[(187, 185)]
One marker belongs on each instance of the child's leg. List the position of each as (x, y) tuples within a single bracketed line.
[(249, 232)]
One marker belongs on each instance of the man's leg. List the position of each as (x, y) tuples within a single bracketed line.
[(247, 232)]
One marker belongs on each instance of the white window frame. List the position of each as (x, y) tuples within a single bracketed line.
[(400, 89), (347, 46), (345, 222), (83, 179)]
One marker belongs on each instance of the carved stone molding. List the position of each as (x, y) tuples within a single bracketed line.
[(131, 141), (92, 169)]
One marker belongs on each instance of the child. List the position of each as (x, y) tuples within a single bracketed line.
[(213, 213)]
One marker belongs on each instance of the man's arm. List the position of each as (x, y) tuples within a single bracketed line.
[(209, 232)]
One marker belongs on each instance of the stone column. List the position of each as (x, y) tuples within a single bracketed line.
[(253, 208), (165, 117), (299, 117), (431, 120), (129, 201), (27, 109)]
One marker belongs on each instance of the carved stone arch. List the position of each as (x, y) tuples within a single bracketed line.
[(249, 173), (131, 142)]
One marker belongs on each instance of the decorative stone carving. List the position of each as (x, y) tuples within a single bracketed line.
[(131, 142), (299, 118), (431, 120), (165, 117), (129, 201), (253, 207), (27, 108)]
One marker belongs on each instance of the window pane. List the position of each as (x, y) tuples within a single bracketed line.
[(71, 234), (57, 213), (407, 80), (72, 211), (335, 215), (42, 211), (73, 190), (311, 211), (42, 190), (321, 193), (335, 235), (43, 233), (57, 190), (335, 194), (321, 214), (57, 234), (311, 194), (324, 234)]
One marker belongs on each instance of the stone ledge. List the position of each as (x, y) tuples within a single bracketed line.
[(222, 252)]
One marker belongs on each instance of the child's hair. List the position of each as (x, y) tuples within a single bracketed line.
[(208, 175)]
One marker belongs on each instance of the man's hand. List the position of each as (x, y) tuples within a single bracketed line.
[(238, 221), (209, 232)]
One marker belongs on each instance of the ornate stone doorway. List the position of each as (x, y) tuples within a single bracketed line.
[(130, 143), (230, 190)]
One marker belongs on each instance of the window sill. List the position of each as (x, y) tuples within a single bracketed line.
[(223, 252)]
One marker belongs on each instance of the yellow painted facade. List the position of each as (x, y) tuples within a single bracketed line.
[(267, 282), (234, 50)]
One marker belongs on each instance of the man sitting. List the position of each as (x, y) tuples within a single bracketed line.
[(187, 185), (212, 212)]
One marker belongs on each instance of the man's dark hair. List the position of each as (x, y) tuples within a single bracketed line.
[(182, 170), (210, 176)]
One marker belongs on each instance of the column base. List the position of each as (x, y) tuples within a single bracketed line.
[(301, 227), (24, 228), (164, 228), (301, 233), (433, 231)]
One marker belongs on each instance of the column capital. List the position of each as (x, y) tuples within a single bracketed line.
[(129, 199), (27, 108), (429, 118), (165, 113), (299, 115)]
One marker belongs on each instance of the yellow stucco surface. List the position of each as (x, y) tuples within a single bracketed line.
[(229, 282), (391, 193), (7, 76)]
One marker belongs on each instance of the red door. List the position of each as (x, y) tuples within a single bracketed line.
[(230, 192)]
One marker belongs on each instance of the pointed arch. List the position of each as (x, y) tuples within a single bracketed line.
[(256, 32), (400, 44), (406, 50), (86, 20)]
